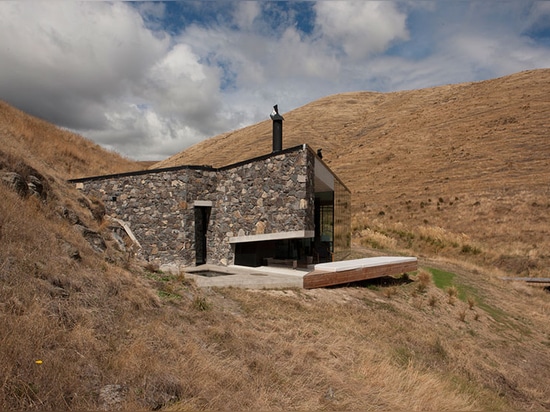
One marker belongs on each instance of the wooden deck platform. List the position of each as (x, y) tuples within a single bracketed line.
[(336, 273)]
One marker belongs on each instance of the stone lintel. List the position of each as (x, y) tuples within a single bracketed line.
[(202, 203)]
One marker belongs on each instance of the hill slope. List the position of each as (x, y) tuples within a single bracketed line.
[(446, 170), (43, 145), (84, 327)]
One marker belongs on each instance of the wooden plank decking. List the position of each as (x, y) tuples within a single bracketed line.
[(335, 273)]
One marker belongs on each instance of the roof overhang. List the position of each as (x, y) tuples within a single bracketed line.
[(324, 179)]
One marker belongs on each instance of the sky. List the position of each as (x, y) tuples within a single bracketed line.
[(149, 79)]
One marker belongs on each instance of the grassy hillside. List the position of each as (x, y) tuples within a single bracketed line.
[(84, 326), (45, 146), (459, 171)]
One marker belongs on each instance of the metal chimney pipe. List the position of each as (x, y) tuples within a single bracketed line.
[(277, 129)]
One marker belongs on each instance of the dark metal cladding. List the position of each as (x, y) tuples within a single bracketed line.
[(277, 129)]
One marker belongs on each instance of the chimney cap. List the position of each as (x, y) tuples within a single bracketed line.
[(275, 113)]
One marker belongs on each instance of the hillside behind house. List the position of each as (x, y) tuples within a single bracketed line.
[(455, 170), (85, 325)]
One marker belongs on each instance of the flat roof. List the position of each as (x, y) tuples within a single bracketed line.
[(206, 167)]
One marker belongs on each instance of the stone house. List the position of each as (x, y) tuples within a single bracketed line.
[(286, 207)]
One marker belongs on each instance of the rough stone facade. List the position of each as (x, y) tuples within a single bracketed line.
[(267, 195)]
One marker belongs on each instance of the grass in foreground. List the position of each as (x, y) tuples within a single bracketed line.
[(109, 339)]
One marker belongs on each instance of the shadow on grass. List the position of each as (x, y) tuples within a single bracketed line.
[(376, 283)]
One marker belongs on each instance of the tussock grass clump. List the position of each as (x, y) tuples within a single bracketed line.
[(424, 279), (390, 291), (376, 239), (469, 249), (452, 293), (200, 303)]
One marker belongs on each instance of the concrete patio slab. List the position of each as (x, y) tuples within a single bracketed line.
[(263, 277), (273, 277)]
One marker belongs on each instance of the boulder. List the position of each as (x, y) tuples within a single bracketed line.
[(35, 186), (16, 182), (69, 215), (93, 238)]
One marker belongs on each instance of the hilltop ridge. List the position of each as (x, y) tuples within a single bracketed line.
[(370, 133), (46, 146)]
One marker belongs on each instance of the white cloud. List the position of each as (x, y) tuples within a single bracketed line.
[(309, 58), (245, 14), (76, 56), (361, 28), (539, 16), (180, 85), (463, 41), (87, 66), (112, 72)]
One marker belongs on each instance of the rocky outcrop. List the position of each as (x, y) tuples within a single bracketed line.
[(35, 185), (95, 240), (32, 186), (16, 182)]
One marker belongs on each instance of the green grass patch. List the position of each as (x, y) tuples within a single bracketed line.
[(168, 295), (159, 276), (445, 280), (442, 279)]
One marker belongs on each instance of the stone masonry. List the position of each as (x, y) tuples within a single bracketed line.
[(267, 195)]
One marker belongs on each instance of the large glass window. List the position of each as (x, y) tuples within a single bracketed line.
[(342, 221), (326, 221), (324, 226)]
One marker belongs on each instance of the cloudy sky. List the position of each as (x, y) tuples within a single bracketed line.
[(148, 79)]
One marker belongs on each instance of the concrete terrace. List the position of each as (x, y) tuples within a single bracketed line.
[(263, 277), (319, 275)]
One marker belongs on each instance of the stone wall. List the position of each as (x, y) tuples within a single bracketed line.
[(271, 194)]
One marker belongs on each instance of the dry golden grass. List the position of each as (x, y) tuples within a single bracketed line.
[(108, 339), (64, 154), (94, 331), (424, 279)]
